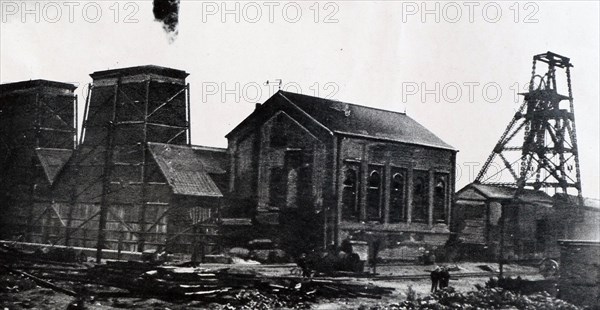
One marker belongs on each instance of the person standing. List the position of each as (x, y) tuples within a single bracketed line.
[(444, 277), (374, 249), (435, 278), (302, 262)]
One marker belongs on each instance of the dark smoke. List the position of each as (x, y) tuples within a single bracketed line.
[(167, 12)]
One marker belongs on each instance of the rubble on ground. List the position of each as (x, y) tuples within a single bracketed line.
[(482, 298)]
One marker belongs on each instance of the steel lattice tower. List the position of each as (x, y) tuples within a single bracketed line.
[(547, 155)]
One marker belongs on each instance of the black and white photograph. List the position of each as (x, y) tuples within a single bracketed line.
[(299, 154)]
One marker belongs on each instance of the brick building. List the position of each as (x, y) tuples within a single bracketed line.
[(299, 169), (363, 173)]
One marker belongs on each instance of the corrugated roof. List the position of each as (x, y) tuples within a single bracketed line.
[(52, 161), (352, 119), (185, 170), (505, 193)]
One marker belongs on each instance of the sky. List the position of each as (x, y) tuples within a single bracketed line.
[(455, 67)]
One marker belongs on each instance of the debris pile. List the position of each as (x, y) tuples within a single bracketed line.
[(484, 298), (15, 283), (190, 282), (226, 286), (524, 286), (250, 300)]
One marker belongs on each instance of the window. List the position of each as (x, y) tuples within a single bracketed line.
[(374, 194), (305, 185), (292, 188), (440, 200), (420, 196), (350, 209), (292, 163), (397, 196), (374, 180)]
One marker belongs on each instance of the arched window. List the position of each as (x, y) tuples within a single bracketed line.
[(397, 182), (420, 196), (397, 202), (440, 198), (374, 194), (350, 209), (374, 180)]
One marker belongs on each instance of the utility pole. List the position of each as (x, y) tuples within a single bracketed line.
[(501, 251)]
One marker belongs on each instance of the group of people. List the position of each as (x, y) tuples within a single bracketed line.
[(440, 278)]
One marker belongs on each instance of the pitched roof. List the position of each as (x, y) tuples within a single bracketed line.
[(53, 161), (571, 199), (506, 193), (186, 169), (215, 160), (352, 119)]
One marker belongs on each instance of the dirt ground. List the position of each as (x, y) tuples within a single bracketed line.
[(19, 293)]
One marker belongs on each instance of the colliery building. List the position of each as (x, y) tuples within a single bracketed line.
[(134, 182), (37, 136), (369, 174), (529, 227), (298, 169)]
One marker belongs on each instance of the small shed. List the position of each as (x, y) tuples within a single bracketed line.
[(481, 209)]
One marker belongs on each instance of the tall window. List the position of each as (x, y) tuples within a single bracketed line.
[(374, 194), (440, 200), (420, 196), (292, 188), (298, 166), (397, 196), (305, 185), (350, 209)]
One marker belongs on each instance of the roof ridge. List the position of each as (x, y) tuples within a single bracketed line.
[(348, 103), (365, 121)]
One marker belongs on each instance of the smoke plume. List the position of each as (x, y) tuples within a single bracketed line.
[(167, 12)]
